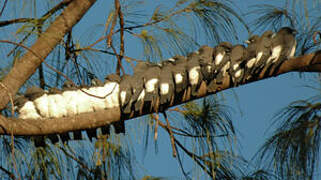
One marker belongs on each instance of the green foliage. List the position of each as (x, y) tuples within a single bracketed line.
[(293, 149)]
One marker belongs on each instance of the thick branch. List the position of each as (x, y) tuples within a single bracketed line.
[(28, 63), (307, 63)]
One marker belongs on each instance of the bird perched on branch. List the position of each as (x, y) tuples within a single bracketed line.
[(138, 85), (119, 125), (238, 62), (180, 77), (252, 45), (195, 76), (283, 47), (70, 96), (221, 64), (166, 85), (263, 52), (126, 93), (206, 61), (27, 108)]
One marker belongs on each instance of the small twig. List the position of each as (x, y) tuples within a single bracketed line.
[(43, 18), (170, 134), (10, 174), (52, 68), (110, 34), (177, 110), (76, 159), (121, 24), (156, 126), (194, 157), (41, 74), (156, 21), (12, 156), (118, 59), (14, 21), (4, 6)]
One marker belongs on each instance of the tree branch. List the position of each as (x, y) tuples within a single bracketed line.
[(28, 63), (306, 63)]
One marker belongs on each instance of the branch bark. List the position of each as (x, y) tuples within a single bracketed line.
[(306, 63), (29, 62)]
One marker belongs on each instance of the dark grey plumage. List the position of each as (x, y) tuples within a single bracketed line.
[(112, 78), (105, 130), (91, 133), (166, 85), (206, 62), (53, 138), (94, 81), (195, 76), (252, 45), (19, 101), (263, 51), (180, 77), (238, 61), (77, 135), (119, 126), (221, 64), (33, 93), (138, 85), (64, 137), (283, 47), (151, 86), (126, 93)]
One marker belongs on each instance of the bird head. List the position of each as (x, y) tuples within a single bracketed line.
[(253, 39), (288, 30)]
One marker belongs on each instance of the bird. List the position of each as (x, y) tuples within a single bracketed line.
[(126, 93), (138, 85), (238, 61), (94, 81), (252, 44), (206, 61), (283, 47), (57, 107), (166, 85), (25, 105), (115, 79), (29, 109), (151, 86), (180, 77), (56, 104), (263, 52), (195, 76), (40, 100), (70, 95), (112, 90), (221, 64)]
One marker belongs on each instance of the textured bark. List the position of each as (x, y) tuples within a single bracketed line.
[(29, 62), (307, 63)]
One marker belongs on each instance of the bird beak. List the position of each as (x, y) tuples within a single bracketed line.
[(247, 42)]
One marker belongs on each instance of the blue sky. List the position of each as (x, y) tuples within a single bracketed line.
[(253, 104)]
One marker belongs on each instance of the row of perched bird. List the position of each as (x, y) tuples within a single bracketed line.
[(154, 87)]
